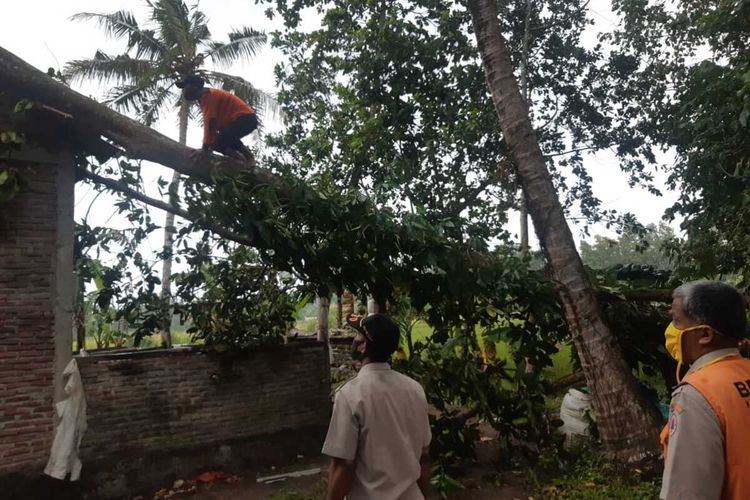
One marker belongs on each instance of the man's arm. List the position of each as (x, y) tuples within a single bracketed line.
[(209, 132), (424, 477), (340, 478), (694, 467), (341, 446)]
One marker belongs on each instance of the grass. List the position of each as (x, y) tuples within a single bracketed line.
[(592, 477), (561, 361), (421, 331), (178, 337), (315, 493)]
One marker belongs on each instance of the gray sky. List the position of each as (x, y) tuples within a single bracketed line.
[(40, 32)]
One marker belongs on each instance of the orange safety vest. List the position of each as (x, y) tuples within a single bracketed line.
[(726, 386)]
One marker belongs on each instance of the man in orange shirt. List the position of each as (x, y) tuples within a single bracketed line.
[(706, 441), (226, 118)]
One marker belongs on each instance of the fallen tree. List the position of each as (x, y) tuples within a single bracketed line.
[(135, 140)]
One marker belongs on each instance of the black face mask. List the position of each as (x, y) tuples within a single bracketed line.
[(356, 354)]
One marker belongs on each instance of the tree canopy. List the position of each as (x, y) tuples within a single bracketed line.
[(689, 92), (631, 247), (390, 98)]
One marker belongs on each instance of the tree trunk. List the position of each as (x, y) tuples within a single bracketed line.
[(372, 306), (339, 312), (525, 94), (324, 307), (79, 315), (627, 427), (347, 303), (524, 228), (169, 232)]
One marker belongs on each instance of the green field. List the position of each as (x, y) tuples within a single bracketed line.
[(561, 360), (178, 338), (421, 331)]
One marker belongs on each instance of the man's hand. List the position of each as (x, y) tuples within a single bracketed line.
[(340, 479)]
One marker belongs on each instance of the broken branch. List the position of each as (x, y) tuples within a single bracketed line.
[(120, 187)]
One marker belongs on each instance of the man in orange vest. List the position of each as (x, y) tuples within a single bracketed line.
[(226, 119), (707, 438)]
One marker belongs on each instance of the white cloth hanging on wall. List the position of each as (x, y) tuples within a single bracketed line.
[(71, 411)]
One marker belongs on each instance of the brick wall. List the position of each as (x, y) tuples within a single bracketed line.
[(159, 401), (28, 227), (341, 349)]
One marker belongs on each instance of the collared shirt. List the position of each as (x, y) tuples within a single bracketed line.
[(694, 467), (380, 422)]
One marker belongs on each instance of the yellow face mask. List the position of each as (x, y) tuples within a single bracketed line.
[(673, 343)]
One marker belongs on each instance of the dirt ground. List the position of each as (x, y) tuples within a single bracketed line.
[(312, 487), (245, 486)]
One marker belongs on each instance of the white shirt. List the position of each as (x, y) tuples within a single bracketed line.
[(380, 421), (63, 459)]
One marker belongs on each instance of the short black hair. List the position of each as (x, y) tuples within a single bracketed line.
[(716, 304), (385, 337), (191, 80)]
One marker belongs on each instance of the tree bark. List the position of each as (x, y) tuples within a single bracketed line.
[(524, 228), (169, 232), (627, 428), (339, 312), (347, 303), (524, 215), (324, 307), (79, 315), (372, 306)]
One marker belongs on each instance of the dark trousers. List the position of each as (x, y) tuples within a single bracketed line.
[(229, 138)]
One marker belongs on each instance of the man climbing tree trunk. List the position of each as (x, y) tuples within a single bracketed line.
[(627, 427)]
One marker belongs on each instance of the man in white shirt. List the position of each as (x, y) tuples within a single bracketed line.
[(379, 435)]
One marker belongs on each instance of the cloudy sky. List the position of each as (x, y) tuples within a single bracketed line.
[(40, 32)]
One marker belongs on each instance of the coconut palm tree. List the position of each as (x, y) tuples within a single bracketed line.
[(174, 42), (627, 426)]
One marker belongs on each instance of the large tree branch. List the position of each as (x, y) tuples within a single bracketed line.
[(132, 193), (577, 150)]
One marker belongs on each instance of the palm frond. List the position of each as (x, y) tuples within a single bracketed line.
[(147, 45), (173, 19), (127, 97), (263, 102), (133, 95), (155, 104), (244, 43), (123, 24), (199, 26), (104, 68)]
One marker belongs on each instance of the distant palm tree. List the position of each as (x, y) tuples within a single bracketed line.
[(174, 43)]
